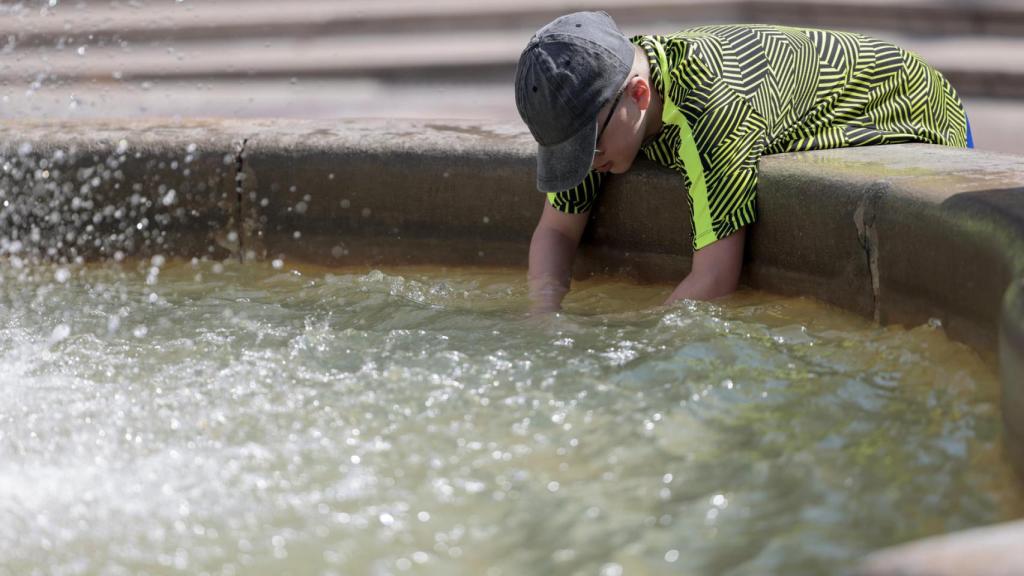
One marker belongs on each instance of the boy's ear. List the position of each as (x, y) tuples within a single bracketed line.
[(640, 90)]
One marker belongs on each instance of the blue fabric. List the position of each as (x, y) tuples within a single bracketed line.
[(970, 138)]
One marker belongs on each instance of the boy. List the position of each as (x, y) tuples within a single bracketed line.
[(707, 102)]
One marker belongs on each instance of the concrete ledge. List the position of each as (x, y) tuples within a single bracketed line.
[(941, 230), (899, 233), (990, 551)]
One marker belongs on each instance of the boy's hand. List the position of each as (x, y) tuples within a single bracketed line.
[(546, 293), (715, 271)]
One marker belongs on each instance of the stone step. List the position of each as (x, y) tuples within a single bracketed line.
[(103, 23), (977, 66), (996, 123)]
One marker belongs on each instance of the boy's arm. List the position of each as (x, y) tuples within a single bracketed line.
[(552, 249), (715, 271)]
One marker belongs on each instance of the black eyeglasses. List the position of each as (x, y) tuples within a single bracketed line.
[(611, 112)]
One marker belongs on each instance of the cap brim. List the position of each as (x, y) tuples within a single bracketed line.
[(564, 165)]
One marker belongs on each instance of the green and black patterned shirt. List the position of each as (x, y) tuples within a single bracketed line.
[(737, 92)]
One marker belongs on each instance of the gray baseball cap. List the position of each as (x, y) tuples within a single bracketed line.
[(568, 71)]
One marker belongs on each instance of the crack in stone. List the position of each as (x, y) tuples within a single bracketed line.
[(239, 180), (864, 219)]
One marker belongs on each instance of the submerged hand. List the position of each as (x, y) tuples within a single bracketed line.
[(715, 271), (546, 293)]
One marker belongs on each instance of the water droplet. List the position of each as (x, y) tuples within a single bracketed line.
[(611, 569), (563, 555), (277, 264), (169, 197), (62, 275), (81, 51), (60, 332)]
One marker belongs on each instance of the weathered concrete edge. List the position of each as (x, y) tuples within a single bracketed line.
[(990, 550), (827, 219)]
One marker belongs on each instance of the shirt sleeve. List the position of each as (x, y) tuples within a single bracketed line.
[(578, 199), (730, 139), (731, 156)]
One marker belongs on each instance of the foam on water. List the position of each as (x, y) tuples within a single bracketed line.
[(214, 418)]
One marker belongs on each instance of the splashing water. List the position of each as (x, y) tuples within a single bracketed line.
[(221, 418)]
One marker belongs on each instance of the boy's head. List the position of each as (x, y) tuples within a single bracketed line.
[(567, 82)]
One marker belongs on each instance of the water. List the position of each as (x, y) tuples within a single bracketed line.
[(215, 418)]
